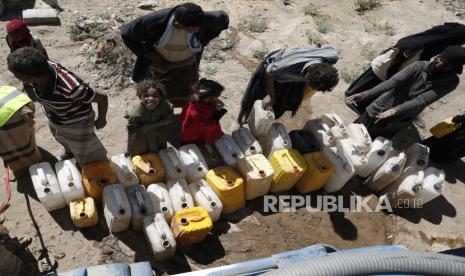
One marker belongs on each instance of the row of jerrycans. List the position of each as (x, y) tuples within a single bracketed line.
[(150, 210), (398, 163), (55, 191)]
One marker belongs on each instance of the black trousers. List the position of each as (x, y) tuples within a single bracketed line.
[(447, 148)]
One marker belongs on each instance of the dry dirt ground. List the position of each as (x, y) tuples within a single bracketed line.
[(250, 233)]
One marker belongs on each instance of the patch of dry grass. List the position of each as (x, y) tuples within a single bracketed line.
[(363, 6)]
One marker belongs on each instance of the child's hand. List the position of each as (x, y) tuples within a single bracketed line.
[(219, 105)]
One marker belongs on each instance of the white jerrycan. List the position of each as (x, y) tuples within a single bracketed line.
[(124, 170), (433, 184), (417, 156), (46, 186), (70, 180), (246, 141), (140, 205), (378, 154), (388, 172), (321, 132), (358, 133), (204, 196), (258, 173), (159, 235), (406, 192), (193, 161), (116, 208), (174, 168), (276, 139), (343, 171), (180, 194), (351, 153), (229, 150), (260, 120), (160, 200), (337, 126)]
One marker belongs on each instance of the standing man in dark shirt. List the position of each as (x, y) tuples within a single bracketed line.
[(67, 102), (169, 43), (399, 100)]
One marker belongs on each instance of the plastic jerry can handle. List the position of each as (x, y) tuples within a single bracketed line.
[(260, 172), (292, 164), (244, 134), (228, 145), (68, 165), (194, 156), (140, 199), (211, 151), (173, 158), (204, 191), (161, 195), (118, 197), (385, 145), (337, 119), (441, 179), (301, 140), (146, 168), (42, 177), (420, 178), (160, 231), (181, 192), (83, 205)]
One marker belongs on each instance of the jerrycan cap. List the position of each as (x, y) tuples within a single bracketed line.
[(261, 173), (381, 152), (295, 168), (178, 170), (164, 209), (229, 182), (82, 215), (71, 184), (184, 221), (47, 190), (199, 169), (103, 181), (252, 148), (165, 243), (213, 204)]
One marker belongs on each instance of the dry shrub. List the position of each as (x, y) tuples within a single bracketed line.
[(363, 6)]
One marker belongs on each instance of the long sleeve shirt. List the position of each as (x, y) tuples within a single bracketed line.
[(410, 91)]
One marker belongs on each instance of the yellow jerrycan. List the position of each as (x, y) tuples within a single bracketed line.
[(191, 226), (443, 128), (95, 177), (83, 212), (149, 168), (289, 166), (228, 186), (319, 170)]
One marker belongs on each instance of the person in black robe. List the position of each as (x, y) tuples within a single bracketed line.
[(420, 46)]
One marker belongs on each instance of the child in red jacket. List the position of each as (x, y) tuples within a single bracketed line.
[(200, 118)]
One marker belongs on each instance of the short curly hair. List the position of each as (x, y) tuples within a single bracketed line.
[(143, 86), (189, 15), (322, 76), (28, 61)]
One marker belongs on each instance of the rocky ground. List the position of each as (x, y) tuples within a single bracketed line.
[(257, 27)]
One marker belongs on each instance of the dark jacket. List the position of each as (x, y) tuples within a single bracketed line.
[(140, 34), (409, 91)]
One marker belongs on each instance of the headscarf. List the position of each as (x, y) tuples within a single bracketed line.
[(455, 55), (20, 29)]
